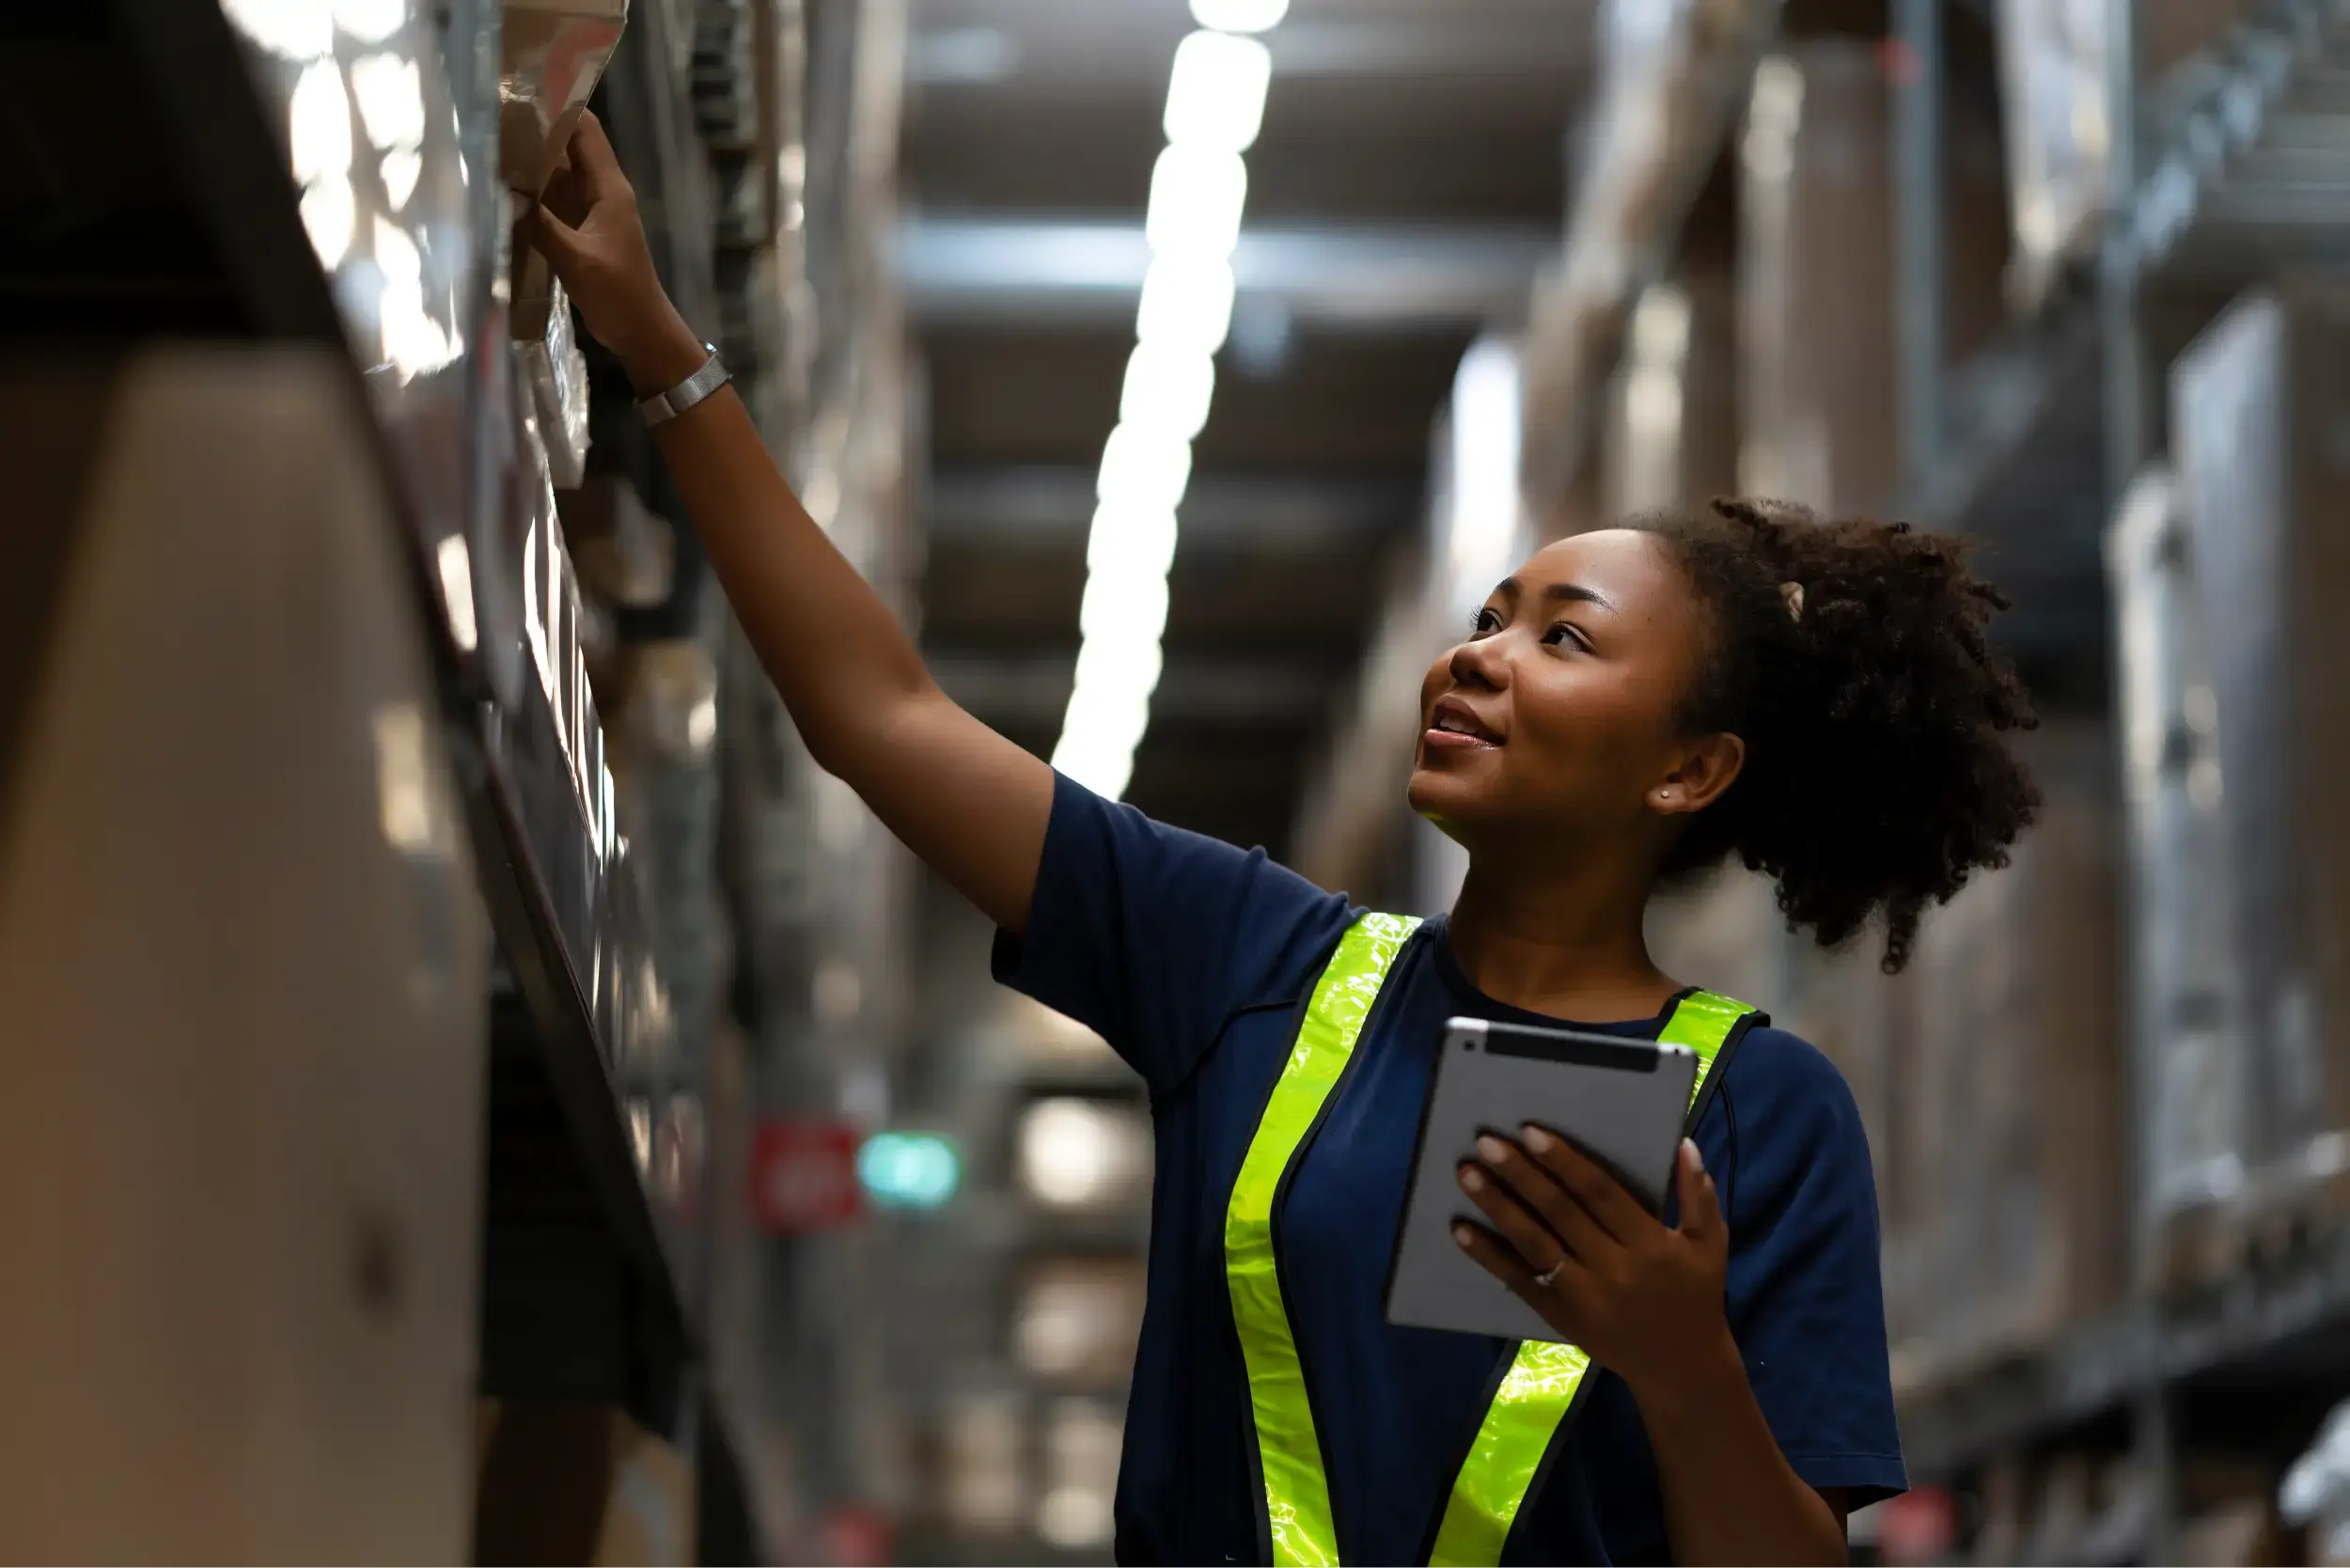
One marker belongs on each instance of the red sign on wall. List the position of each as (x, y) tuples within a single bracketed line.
[(1920, 1525), (804, 1176), (855, 1538)]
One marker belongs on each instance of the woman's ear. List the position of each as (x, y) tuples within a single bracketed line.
[(1704, 770)]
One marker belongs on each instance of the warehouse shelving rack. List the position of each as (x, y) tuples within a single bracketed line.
[(593, 1263), (2231, 170)]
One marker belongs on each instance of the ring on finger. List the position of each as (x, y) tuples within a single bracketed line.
[(1549, 1277)]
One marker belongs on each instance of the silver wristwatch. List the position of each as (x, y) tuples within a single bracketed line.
[(662, 407)]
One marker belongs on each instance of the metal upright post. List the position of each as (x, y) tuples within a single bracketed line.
[(2129, 442), (1917, 233), (2128, 428)]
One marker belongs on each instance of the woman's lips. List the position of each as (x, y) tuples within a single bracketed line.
[(1454, 726)]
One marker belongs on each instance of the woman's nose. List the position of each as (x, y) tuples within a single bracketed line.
[(1479, 663)]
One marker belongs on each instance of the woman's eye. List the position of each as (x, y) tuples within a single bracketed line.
[(1486, 621), (1566, 636)]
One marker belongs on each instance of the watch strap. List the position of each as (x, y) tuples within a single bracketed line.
[(662, 407)]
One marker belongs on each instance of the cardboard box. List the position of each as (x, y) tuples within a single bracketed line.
[(2172, 31), (1669, 433), (571, 1481), (243, 965), (2186, 1038), (1818, 377), (2009, 1154), (2257, 404), (553, 53)]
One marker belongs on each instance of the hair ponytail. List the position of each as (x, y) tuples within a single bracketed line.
[(1854, 659)]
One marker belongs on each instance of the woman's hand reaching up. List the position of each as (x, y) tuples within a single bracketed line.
[(590, 231)]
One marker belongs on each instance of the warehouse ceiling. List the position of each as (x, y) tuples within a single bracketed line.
[(1411, 172)]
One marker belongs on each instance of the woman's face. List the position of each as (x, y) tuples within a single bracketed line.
[(1556, 718)]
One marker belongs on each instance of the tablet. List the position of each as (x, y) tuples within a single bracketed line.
[(1620, 1100)]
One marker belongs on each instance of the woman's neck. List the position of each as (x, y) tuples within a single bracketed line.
[(1567, 946)]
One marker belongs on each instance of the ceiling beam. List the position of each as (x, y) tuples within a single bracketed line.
[(1027, 691), (1054, 49), (1037, 271), (1043, 505)]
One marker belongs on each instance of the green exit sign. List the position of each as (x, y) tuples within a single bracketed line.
[(909, 1171)]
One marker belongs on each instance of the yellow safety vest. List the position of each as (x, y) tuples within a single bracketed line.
[(1538, 1393)]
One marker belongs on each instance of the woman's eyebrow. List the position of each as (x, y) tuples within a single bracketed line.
[(1578, 594)]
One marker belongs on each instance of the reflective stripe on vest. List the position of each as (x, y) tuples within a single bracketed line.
[(1536, 1394), (1297, 1495)]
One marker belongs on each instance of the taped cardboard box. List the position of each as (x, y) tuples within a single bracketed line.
[(573, 1481)]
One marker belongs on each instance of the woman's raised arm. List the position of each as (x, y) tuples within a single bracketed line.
[(966, 800)]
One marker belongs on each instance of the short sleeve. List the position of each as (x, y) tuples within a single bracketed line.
[(1806, 1301), (1154, 937)]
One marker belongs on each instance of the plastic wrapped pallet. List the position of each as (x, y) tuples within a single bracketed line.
[(2256, 402), (2009, 1141), (1817, 378)]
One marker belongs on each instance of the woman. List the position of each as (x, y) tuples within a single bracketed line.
[(1632, 705)]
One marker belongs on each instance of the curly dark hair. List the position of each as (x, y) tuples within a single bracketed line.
[(1877, 774)]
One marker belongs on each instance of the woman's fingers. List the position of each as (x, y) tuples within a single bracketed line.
[(594, 165), (1701, 1206), (1584, 1233), (557, 241), (1592, 1185), (1534, 1242), (1556, 1301)]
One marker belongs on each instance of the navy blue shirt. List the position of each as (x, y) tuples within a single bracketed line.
[(1189, 957)]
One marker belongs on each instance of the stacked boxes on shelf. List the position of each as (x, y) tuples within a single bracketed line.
[(2059, 122), (2052, 80), (2006, 1176), (2234, 702), (2184, 1010), (1669, 433), (1818, 384)]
